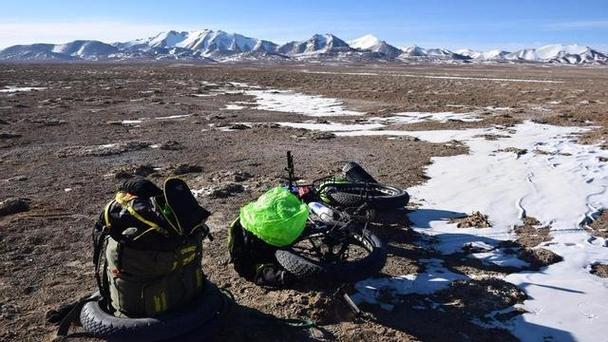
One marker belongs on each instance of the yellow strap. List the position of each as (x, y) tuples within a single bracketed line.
[(179, 228), (123, 198), (167, 219), (188, 249), (157, 304), (163, 299), (147, 230), (106, 215)]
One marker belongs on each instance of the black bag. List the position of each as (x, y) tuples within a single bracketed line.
[(148, 249)]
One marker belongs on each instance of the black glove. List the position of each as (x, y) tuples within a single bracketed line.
[(141, 187), (272, 275)]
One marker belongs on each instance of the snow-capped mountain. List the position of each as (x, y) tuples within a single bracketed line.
[(416, 52), (555, 53), (496, 54), (317, 44), (204, 43), (219, 46), (562, 54), (79, 49), (372, 43)]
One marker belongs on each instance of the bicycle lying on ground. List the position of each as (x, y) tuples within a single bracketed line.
[(336, 244)]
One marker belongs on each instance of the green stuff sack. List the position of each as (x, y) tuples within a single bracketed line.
[(278, 217)]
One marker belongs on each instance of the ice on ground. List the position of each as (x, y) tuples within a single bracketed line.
[(371, 125), (173, 117), (498, 257), (292, 102), (233, 107), (560, 189), (331, 126), (435, 277), (416, 117), (206, 95), (13, 89), (132, 122)]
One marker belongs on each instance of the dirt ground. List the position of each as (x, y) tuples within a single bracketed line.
[(50, 155)]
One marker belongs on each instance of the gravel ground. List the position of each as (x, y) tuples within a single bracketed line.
[(65, 149)]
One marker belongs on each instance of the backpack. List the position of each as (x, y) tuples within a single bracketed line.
[(147, 249)]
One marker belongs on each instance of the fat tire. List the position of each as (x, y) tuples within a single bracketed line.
[(349, 271), (356, 173), (205, 312), (356, 194)]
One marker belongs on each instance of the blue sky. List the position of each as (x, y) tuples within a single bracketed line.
[(482, 24)]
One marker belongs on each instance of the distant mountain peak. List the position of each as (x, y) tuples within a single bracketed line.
[(217, 45), (372, 43)]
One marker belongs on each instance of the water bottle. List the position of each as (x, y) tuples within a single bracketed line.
[(323, 212)]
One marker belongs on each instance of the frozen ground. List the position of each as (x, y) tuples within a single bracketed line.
[(13, 89), (94, 125), (292, 102), (557, 181), (529, 170)]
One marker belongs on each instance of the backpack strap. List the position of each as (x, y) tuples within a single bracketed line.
[(67, 318), (123, 198)]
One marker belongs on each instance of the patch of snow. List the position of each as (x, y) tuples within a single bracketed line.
[(292, 102), (132, 122), (173, 117), (434, 278), (332, 126), (233, 107), (206, 95), (12, 89), (561, 189), (416, 117), (499, 258)]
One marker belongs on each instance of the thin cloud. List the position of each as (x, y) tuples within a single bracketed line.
[(578, 25)]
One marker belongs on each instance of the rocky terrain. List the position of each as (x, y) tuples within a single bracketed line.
[(71, 133)]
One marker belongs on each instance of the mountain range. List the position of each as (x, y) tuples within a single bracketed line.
[(219, 46)]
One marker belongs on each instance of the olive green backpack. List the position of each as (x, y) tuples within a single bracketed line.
[(148, 251)]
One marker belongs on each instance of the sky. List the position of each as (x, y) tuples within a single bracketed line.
[(479, 24)]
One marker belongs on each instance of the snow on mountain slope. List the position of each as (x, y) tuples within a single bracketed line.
[(557, 53), (80, 49), (206, 42), (317, 44), (86, 49), (496, 54), (216, 45), (469, 53), (433, 54), (373, 44)]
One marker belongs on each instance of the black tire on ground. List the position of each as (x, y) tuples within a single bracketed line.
[(303, 267), (374, 195), (356, 173), (207, 311)]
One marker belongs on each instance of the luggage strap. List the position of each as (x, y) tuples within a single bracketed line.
[(73, 315)]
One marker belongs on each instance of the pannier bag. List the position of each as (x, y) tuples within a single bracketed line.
[(148, 249)]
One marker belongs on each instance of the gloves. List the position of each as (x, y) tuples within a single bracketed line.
[(140, 187)]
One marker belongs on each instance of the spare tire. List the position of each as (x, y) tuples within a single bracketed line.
[(374, 195), (206, 311), (304, 267)]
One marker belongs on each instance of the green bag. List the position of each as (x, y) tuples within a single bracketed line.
[(145, 283), (278, 217), (148, 250)]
